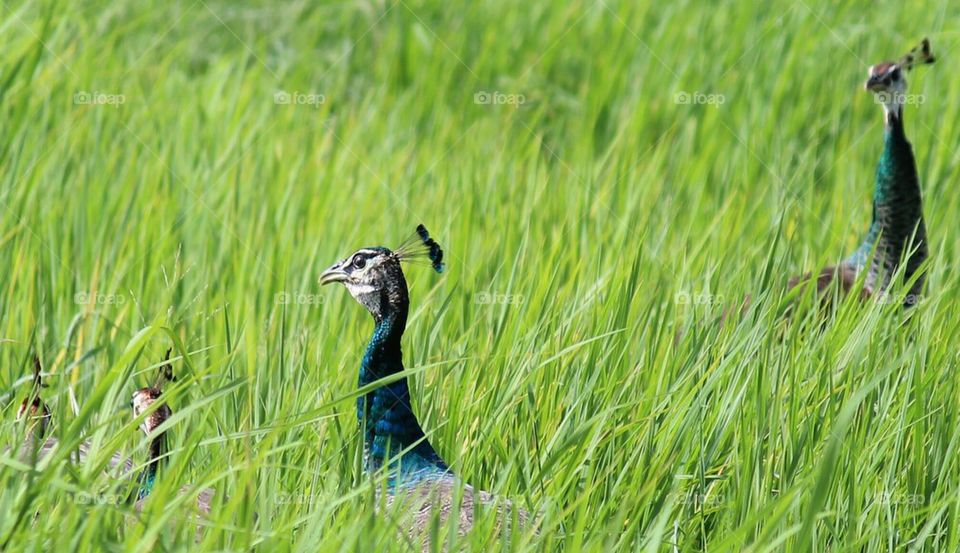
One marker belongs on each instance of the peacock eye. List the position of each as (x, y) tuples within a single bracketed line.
[(359, 262)]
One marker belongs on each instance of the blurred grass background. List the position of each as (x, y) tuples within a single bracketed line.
[(602, 176)]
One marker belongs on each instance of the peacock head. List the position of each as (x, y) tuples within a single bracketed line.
[(374, 276), (887, 80), (145, 397), (33, 411)]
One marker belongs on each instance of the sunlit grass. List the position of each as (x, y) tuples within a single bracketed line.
[(637, 168)]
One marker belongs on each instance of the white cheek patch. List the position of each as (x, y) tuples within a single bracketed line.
[(361, 289), (140, 404)]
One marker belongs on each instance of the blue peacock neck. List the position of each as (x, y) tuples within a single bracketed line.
[(386, 414), (897, 230), (148, 477)]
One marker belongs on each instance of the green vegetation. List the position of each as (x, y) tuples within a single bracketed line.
[(603, 176)]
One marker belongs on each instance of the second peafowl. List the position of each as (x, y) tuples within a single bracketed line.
[(38, 420), (897, 233), (393, 437), (141, 402), (34, 412)]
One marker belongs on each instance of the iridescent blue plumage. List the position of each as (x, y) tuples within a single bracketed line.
[(146, 480), (897, 230), (390, 426), (158, 444)]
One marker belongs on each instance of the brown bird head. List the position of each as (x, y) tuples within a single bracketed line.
[(32, 409)]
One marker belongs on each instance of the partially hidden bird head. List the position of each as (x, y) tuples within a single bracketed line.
[(32, 409), (887, 80), (374, 277), (145, 397)]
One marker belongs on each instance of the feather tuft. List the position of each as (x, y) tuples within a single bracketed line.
[(166, 372), (37, 376), (422, 245), (919, 55)]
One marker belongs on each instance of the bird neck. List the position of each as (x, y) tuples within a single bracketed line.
[(33, 441), (148, 477), (897, 227), (386, 413)]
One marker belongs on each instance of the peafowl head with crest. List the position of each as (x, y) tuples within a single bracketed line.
[(887, 80), (374, 276), (32, 409), (145, 397)]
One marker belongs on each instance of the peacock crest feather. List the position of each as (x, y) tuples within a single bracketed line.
[(421, 246), (918, 55)]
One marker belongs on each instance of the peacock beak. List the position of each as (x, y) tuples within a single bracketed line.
[(873, 84), (334, 274)]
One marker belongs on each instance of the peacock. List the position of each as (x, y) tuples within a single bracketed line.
[(37, 417), (33, 411), (141, 403), (393, 437), (897, 233)]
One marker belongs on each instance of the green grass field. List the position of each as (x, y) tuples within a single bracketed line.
[(602, 175)]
